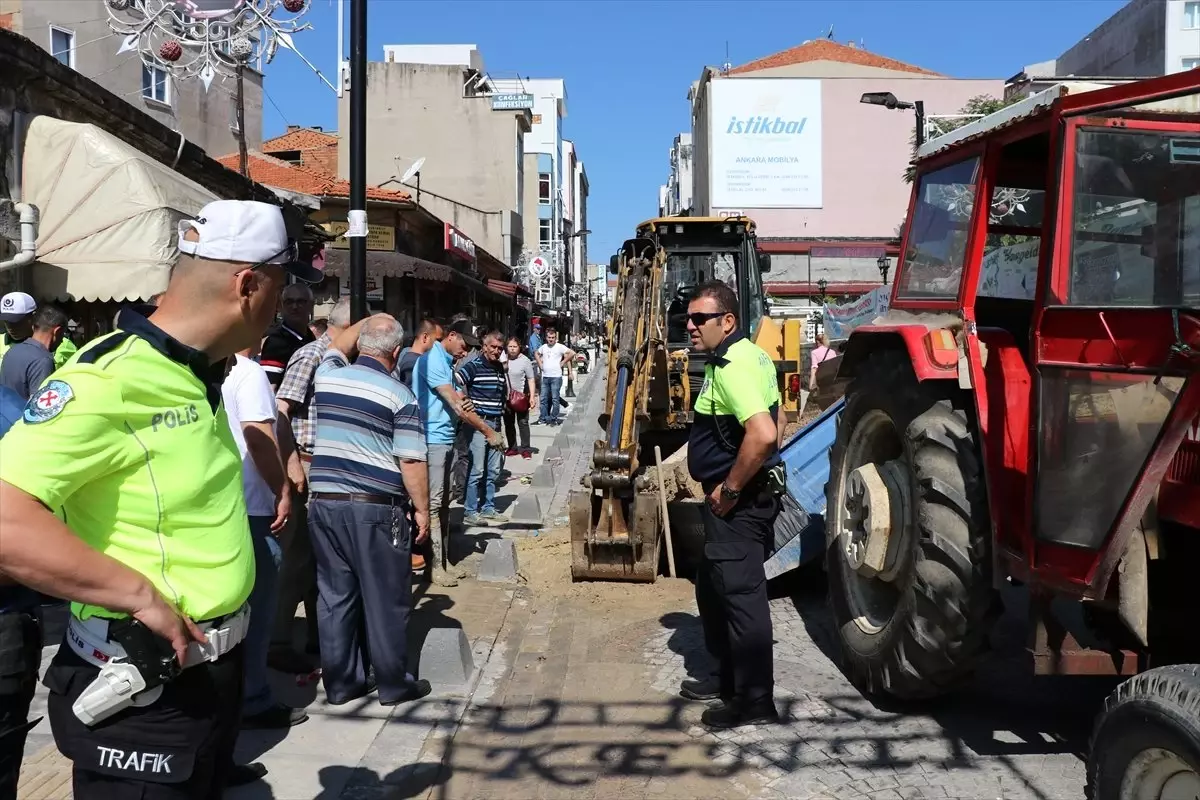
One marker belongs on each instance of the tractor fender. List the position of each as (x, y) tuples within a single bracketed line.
[(933, 350)]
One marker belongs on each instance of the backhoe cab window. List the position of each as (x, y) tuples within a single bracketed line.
[(686, 271), (937, 235), (1137, 220)]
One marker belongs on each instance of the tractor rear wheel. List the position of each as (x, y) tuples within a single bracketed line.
[(1147, 742), (907, 534)]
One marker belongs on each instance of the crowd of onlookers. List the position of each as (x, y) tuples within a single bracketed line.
[(473, 390)]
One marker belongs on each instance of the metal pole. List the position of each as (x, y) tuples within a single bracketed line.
[(920, 106), (341, 48), (358, 155)]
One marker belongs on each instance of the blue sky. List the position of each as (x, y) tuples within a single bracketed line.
[(628, 64)]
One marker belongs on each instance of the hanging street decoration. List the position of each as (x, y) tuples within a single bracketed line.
[(206, 39)]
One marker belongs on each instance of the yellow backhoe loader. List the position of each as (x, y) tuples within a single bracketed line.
[(653, 380)]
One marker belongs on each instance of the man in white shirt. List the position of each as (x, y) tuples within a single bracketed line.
[(552, 357), (250, 405)]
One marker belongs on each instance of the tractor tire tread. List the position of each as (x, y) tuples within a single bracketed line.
[(944, 625), (1156, 709)]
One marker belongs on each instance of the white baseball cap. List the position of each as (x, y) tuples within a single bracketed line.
[(16, 306), (247, 231)]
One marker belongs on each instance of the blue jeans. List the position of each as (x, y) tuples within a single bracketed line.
[(267, 556), (482, 453), (550, 405)]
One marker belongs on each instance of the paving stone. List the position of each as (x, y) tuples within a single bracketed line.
[(544, 476), (446, 657), (499, 561), (527, 510)]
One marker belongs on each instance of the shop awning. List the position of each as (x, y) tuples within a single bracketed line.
[(381, 264), (508, 289), (109, 213)]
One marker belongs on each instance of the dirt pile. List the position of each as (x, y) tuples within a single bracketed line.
[(544, 565), (677, 483)]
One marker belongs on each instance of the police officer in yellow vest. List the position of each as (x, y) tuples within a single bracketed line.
[(16, 312), (131, 441), (733, 454)]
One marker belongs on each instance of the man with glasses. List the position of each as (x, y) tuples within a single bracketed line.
[(733, 454), (288, 335)]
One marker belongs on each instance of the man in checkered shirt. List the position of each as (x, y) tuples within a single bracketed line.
[(298, 570)]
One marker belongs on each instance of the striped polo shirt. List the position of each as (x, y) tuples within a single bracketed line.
[(486, 385), (365, 420)]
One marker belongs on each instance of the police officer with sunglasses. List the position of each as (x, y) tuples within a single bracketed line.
[(733, 453)]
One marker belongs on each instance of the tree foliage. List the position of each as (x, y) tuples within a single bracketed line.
[(981, 105)]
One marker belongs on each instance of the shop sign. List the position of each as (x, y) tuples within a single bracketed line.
[(847, 252), (374, 288), (459, 243), (511, 102), (379, 237)]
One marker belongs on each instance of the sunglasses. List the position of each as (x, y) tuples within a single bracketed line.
[(700, 318), (292, 251)]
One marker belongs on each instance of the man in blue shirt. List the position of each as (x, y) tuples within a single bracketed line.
[(442, 407), (487, 388), (367, 476)]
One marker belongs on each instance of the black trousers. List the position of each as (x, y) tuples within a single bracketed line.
[(297, 578), (20, 656), (364, 595), (178, 748), (731, 593)]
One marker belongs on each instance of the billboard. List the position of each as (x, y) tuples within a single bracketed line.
[(765, 143)]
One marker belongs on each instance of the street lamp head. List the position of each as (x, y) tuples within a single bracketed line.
[(885, 99), (884, 267)]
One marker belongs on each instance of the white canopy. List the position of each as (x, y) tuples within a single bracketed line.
[(108, 213)]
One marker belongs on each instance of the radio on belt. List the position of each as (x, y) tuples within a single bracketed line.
[(134, 680)]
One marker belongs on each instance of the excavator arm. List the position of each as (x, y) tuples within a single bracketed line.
[(614, 529)]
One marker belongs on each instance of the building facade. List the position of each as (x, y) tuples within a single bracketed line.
[(675, 197), (76, 33), (434, 106), (1143, 39), (787, 141)]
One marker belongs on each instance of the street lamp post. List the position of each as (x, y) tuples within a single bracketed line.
[(567, 281), (889, 101), (884, 267), (357, 218)]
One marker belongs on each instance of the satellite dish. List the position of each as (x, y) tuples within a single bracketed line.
[(413, 170)]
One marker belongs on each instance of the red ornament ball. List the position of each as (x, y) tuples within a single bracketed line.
[(170, 50), (294, 6)]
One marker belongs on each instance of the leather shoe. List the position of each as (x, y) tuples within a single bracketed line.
[(416, 690), (704, 689), (731, 715), (367, 689), (242, 774)]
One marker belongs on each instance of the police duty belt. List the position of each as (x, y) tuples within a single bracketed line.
[(135, 662)]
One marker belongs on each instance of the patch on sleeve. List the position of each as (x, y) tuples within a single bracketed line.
[(49, 402)]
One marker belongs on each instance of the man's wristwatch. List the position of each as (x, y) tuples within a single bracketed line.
[(732, 494)]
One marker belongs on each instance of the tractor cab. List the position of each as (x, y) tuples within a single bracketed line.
[(1064, 234), (1026, 413)]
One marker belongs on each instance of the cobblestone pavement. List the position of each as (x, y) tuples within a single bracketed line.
[(1006, 735)]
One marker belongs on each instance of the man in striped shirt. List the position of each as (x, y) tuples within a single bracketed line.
[(487, 387), (369, 487)]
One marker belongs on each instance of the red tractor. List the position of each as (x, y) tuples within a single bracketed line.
[(1026, 413)]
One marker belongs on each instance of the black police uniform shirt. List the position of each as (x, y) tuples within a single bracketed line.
[(739, 381)]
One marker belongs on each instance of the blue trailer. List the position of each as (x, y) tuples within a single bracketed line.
[(806, 456)]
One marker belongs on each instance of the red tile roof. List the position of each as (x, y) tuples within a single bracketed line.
[(271, 171), (300, 139), (827, 50)]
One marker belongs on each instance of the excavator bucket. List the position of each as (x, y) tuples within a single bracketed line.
[(614, 539)]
